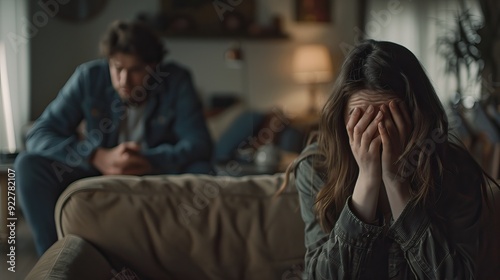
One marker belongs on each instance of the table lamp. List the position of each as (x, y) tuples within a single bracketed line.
[(312, 65)]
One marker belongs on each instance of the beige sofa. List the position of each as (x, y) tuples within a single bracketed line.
[(176, 227), (193, 227)]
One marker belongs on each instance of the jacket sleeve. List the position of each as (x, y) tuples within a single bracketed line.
[(445, 248), (449, 251), (54, 133), (341, 253), (195, 142)]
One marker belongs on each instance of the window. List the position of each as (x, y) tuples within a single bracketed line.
[(417, 25), (14, 73)]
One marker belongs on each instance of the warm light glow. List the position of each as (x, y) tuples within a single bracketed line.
[(312, 64), (7, 104)]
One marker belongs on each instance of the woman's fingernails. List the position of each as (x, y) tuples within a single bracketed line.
[(379, 115), (370, 109)]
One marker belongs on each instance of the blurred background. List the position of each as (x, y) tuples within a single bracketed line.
[(267, 55), (263, 55)]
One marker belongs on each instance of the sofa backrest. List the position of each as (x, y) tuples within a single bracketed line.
[(188, 226)]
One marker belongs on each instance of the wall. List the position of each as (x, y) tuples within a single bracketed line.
[(264, 81), (60, 46)]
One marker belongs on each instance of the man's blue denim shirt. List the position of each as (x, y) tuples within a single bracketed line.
[(176, 134)]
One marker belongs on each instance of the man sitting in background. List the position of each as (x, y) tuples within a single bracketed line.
[(140, 116)]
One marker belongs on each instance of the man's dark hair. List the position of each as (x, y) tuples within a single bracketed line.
[(132, 38)]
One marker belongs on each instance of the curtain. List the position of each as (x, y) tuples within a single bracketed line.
[(417, 25), (14, 76)]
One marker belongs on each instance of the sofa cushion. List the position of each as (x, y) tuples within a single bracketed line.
[(188, 226), (237, 134)]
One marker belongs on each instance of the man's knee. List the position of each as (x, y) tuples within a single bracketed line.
[(27, 165), (31, 164), (35, 168), (27, 162), (32, 167)]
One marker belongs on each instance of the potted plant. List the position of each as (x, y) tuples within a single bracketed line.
[(469, 51)]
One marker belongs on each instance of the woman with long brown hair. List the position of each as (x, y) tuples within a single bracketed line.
[(384, 193)]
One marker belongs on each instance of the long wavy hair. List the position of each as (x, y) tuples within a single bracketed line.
[(383, 68)]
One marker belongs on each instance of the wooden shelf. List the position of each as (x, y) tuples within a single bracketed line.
[(226, 37)]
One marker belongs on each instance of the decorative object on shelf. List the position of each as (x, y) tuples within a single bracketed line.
[(212, 19), (313, 10), (234, 56), (234, 23), (273, 30), (208, 18), (181, 24), (312, 65)]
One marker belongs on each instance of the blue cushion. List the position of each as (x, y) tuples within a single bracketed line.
[(237, 135), (292, 140)]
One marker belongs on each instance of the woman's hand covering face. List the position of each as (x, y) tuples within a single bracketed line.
[(394, 130)]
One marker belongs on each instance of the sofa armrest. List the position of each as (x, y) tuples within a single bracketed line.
[(71, 258)]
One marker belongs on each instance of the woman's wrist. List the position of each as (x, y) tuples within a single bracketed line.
[(369, 179), (398, 194), (365, 197)]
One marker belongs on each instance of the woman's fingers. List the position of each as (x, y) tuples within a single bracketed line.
[(370, 131), (384, 136), (365, 144), (351, 123), (375, 144), (363, 123), (361, 128), (389, 123), (394, 134)]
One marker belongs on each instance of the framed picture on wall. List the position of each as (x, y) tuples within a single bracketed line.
[(313, 10)]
